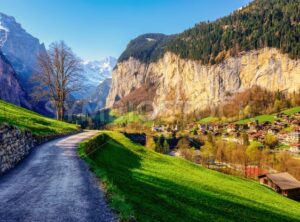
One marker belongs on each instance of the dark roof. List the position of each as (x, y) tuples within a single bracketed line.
[(284, 180)]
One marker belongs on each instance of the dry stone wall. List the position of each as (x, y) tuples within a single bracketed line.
[(14, 146)]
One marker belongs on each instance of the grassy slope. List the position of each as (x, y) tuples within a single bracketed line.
[(292, 110), (261, 119), (208, 120), (164, 188), (270, 118), (130, 117), (25, 119)]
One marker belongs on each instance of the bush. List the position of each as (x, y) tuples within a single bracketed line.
[(271, 141)]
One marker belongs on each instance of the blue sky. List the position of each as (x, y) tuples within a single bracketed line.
[(98, 28)]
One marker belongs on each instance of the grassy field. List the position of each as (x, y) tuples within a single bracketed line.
[(157, 187), (130, 117), (292, 110), (261, 119), (269, 118), (37, 124), (209, 119)]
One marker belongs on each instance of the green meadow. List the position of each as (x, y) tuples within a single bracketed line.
[(153, 187), (36, 123)]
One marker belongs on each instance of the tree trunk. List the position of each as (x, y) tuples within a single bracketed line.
[(60, 111)]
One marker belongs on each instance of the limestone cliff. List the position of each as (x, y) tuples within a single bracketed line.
[(199, 85)]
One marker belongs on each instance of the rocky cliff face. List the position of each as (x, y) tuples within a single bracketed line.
[(21, 50), (179, 81), (19, 47), (98, 98), (10, 90)]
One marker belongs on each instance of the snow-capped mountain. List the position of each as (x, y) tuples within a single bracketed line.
[(21, 50), (96, 87), (11, 90), (19, 47), (97, 71), (95, 101)]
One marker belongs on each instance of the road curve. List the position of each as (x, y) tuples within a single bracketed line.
[(53, 184)]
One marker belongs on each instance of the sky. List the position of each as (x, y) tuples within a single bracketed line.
[(95, 29)]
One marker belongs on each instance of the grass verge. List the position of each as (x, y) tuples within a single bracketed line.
[(113, 194)]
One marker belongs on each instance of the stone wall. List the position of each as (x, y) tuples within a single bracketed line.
[(14, 146)]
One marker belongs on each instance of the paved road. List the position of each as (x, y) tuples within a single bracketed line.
[(53, 184)]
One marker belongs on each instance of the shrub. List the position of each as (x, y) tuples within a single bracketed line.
[(271, 141)]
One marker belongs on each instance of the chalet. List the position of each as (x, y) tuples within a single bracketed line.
[(252, 127), (259, 136), (231, 128), (283, 183)]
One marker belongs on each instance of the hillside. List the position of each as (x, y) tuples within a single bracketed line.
[(269, 118), (37, 124), (254, 46), (147, 48), (261, 24), (156, 187)]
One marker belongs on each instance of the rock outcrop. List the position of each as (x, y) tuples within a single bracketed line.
[(10, 90), (20, 48), (179, 81)]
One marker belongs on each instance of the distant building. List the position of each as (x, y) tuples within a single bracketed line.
[(282, 183), (293, 137)]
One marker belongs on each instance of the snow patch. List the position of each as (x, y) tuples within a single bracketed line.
[(3, 36), (150, 40), (2, 27)]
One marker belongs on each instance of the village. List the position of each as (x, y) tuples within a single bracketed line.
[(285, 129), (281, 136)]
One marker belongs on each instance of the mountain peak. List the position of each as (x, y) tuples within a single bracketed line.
[(96, 72), (7, 18), (8, 23), (20, 47)]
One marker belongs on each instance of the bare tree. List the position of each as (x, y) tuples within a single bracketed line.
[(60, 73)]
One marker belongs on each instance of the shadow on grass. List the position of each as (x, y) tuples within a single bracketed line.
[(156, 198)]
